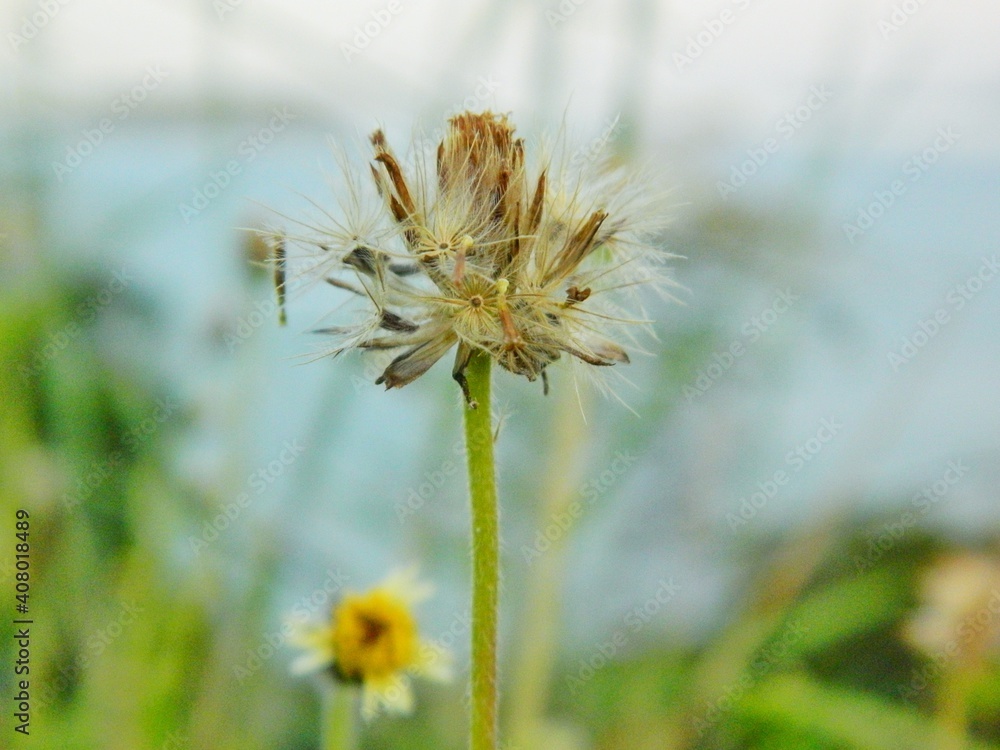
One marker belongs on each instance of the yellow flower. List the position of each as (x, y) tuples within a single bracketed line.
[(372, 640), (478, 248)]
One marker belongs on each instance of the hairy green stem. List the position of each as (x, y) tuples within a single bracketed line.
[(338, 732), (485, 555)]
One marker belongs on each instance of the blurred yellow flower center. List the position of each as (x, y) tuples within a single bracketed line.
[(374, 635)]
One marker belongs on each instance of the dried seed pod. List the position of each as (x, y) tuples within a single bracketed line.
[(475, 247)]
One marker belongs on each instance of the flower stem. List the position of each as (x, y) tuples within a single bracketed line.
[(485, 555), (338, 734)]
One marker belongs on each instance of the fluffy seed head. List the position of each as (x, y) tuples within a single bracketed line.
[(474, 249)]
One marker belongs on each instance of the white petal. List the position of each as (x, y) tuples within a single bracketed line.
[(394, 695), (405, 583), (369, 703), (306, 636), (315, 640), (434, 663), (311, 662)]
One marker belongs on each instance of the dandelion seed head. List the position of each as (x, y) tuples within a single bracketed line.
[(474, 248)]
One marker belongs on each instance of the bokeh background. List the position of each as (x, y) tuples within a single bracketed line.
[(789, 541)]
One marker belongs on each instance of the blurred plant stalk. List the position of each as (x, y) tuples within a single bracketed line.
[(952, 708), (543, 604), (339, 733), (770, 603), (955, 629)]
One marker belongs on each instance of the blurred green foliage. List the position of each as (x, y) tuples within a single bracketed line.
[(135, 647)]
